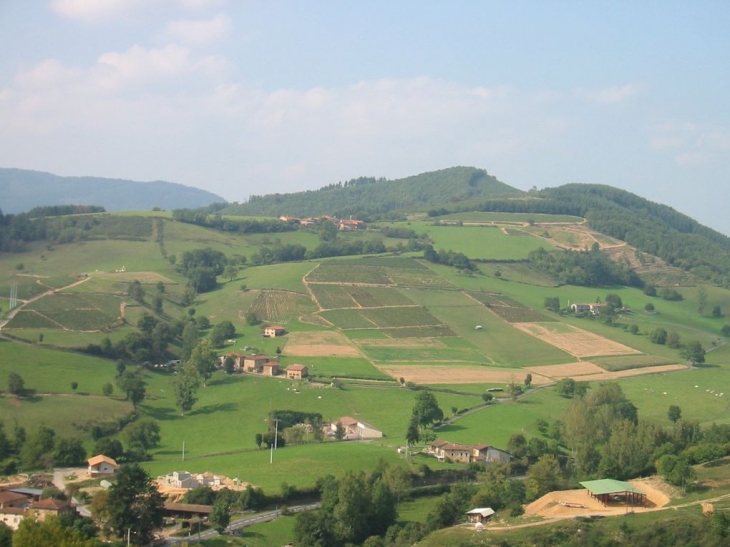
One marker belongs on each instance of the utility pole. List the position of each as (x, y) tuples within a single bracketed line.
[(276, 438), (183, 454)]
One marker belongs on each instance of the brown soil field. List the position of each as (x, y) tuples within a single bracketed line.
[(570, 503), (631, 372), (577, 342), (568, 370), (453, 375), (403, 343), (589, 372), (320, 344)]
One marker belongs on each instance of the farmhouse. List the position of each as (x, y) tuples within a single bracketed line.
[(356, 429), (101, 465), (11, 516), (351, 225), (254, 363), (237, 360), (50, 506), (467, 453), (296, 372), (594, 309), (11, 499), (270, 369), (274, 331), (184, 479)]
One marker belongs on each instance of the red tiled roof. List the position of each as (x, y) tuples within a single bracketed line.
[(271, 364), (347, 420), (256, 358), (9, 497), (50, 504), (96, 460), (296, 367), (12, 511)]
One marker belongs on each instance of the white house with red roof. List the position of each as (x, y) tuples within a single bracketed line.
[(101, 465)]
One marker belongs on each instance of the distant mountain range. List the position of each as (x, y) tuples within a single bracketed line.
[(21, 190)]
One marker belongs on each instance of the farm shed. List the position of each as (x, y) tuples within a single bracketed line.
[(480, 514), (296, 372), (608, 490), (270, 369), (187, 510), (273, 332)]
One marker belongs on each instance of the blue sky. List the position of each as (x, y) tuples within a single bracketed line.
[(243, 97)]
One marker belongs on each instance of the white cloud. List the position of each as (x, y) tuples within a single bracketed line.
[(609, 95), (95, 10), (200, 32), (692, 144)]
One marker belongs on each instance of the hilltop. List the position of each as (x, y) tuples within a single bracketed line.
[(21, 190), (368, 195)]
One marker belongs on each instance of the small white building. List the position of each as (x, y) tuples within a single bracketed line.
[(356, 429), (480, 514), (101, 465)]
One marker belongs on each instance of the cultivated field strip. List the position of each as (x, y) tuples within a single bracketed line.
[(575, 341)]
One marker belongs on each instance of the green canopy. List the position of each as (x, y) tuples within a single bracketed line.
[(609, 486)]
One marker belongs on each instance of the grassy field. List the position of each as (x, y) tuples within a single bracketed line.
[(480, 242), (520, 218), (496, 423), (61, 412), (501, 343)]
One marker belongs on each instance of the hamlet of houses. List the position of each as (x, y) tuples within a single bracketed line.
[(346, 225), (467, 453)]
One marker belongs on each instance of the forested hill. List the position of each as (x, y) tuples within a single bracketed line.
[(362, 196), (650, 227), (22, 190)]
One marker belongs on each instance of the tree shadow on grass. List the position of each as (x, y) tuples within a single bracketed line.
[(220, 407), (717, 463), (226, 380), (449, 428), (165, 413)]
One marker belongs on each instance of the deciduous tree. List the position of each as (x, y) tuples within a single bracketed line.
[(134, 505)]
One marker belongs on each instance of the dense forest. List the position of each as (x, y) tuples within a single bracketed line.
[(367, 196), (650, 227)]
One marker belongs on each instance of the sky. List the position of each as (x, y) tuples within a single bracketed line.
[(246, 98)]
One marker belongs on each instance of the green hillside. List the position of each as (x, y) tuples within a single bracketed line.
[(376, 329), (369, 195)]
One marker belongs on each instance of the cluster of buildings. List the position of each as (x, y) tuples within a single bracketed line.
[(467, 453), (260, 364), (188, 481), (346, 225), (353, 429), (18, 503)]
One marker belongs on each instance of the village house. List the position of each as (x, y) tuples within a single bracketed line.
[(296, 372), (274, 331), (237, 360), (50, 506), (270, 369), (101, 465), (351, 225), (288, 218), (254, 363), (467, 453), (11, 499), (11, 516), (355, 429), (184, 479), (452, 452), (307, 222), (593, 309)]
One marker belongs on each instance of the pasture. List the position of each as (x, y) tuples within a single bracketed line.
[(512, 218), (480, 242)]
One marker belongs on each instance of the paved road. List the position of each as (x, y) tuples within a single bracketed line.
[(248, 521)]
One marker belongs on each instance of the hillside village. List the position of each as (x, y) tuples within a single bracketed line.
[(461, 373)]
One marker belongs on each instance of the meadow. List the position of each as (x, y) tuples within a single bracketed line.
[(405, 312)]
